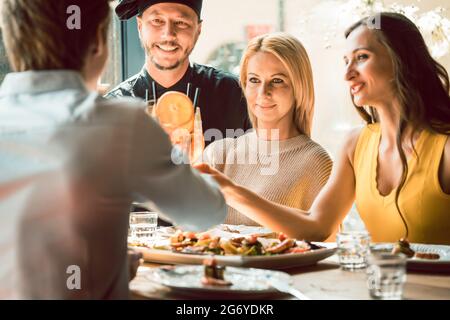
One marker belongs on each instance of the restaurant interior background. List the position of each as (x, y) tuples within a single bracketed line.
[(319, 24)]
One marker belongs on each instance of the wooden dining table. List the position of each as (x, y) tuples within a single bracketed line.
[(322, 281)]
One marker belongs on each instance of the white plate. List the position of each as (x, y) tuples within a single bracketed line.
[(441, 264), (186, 279), (281, 261)]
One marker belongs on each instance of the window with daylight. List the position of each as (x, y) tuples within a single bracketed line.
[(113, 70)]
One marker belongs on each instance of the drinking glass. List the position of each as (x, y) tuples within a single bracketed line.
[(386, 275), (143, 227), (353, 248)]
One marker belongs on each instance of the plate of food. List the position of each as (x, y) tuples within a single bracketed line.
[(421, 257), (215, 281), (237, 246)]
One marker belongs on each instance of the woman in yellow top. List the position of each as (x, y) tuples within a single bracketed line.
[(397, 168)]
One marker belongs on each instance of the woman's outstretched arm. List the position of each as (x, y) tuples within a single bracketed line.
[(329, 209)]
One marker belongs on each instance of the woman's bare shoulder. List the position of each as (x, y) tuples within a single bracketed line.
[(350, 143)]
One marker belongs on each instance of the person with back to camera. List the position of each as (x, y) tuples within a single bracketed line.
[(72, 161)]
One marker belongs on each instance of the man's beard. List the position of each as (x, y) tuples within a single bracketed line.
[(160, 67)]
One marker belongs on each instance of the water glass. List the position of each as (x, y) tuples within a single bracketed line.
[(143, 227), (353, 248), (386, 275)]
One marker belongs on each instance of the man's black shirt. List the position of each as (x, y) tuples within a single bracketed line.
[(221, 101)]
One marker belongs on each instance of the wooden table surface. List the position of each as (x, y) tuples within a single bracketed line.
[(323, 281)]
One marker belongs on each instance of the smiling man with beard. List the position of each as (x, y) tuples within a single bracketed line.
[(168, 31)]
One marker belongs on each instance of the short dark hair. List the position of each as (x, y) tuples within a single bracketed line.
[(37, 37)]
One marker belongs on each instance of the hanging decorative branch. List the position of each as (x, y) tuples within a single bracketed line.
[(433, 24)]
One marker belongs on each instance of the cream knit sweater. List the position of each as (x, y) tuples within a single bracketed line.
[(289, 172)]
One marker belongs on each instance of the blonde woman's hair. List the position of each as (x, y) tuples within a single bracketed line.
[(293, 56)]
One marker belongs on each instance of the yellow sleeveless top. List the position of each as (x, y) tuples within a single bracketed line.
[(424, 204)]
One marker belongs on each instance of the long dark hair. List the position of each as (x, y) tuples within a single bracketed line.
[(421, 83)]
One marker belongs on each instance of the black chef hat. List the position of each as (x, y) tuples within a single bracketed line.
[(129, 8)]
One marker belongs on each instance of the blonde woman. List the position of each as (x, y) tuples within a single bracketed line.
[(277, 160)]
